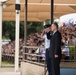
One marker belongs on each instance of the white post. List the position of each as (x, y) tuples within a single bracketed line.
[(17, 38), (0, 33)]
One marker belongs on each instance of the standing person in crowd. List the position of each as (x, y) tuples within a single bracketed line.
[(47, 45), (40, 51), (71, 41), (55, 50), (74, 39), (65, 51)]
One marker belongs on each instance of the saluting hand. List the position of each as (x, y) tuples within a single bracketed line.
[(47, 30), (56, 56)]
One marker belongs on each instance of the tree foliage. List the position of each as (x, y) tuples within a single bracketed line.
[(34, 27), (9, 29)]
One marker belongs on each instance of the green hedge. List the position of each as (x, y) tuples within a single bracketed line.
[(72, 49)]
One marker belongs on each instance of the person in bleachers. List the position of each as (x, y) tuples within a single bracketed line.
[(66, 53), (40, 51)]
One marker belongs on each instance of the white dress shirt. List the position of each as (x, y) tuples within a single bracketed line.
[(47, 42)]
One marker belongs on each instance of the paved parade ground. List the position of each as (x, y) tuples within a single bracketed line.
[(64, 71), (67, 71)]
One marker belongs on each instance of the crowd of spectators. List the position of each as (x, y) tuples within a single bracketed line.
[(68, 37), (9, 48), (68, 34)]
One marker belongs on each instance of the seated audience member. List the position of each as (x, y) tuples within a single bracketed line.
[(74, 39), (40, 51), (65, 52)]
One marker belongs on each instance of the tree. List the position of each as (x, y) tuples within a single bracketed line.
[(34, 27), (9, 29)]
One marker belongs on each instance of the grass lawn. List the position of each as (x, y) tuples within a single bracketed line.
[(7, 64)]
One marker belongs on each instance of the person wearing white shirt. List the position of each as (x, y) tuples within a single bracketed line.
[(41, 50), (47, 42), (66, 52), (47, 45)]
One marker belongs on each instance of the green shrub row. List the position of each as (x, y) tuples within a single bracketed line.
[(72, 51)]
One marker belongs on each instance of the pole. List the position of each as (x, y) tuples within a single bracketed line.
[(25, 23), (51, 11), (17, 36), (51, 19), (0, 33), (25, 29)]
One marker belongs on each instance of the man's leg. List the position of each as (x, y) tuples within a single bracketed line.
[(57, 66), (48, 63)]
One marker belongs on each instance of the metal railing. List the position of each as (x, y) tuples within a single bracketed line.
[(26, 54), (64, 63), (34, 58)]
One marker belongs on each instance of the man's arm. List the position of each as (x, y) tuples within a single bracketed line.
[(47, 32), (57, 44), (43, 32), (48, 35)]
